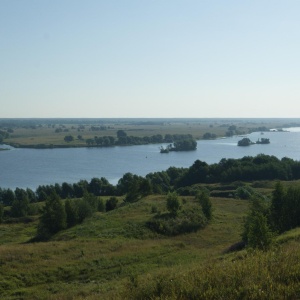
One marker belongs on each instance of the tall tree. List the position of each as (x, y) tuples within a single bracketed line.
[(276, 208), (71, 213), (1, 213), (205, 203), (257, 233), (20, 206), (53, 218)]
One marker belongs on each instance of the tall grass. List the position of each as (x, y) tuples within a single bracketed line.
[(115, 256), (251, 275)]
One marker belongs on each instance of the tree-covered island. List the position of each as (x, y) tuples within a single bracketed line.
[(247, 142), (181, 145)]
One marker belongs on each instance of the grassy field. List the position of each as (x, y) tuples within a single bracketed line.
[(46, 133), (98, 257), (114, 255)]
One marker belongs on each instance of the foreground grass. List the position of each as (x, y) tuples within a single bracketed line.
[(258, 275), (98, 257), (114, 256)]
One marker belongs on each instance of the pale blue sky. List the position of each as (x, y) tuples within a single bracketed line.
[(154, 58)]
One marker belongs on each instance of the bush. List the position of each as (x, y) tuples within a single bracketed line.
[(244, 192), (189, 220), (173, 203), (101, 205), (206, 204), (111, 203)]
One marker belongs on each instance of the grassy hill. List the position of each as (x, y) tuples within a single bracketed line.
[(114, 255)]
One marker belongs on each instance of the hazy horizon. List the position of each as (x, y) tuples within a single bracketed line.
[(149, 59)]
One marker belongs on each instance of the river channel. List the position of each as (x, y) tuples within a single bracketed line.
[(33, 167)]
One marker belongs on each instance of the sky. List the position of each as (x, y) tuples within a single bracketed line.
[(149, 59)]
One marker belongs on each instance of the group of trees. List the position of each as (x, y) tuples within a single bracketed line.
[(260, 167), (247, 142), (133, 186), (123, 139), (265, 219), (181, 145), (57, 215), (182, 217), (4, 134)]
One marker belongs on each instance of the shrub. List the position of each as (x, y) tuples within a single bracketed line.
[(206, 204), (111, 203), (173, 203), (189, 220), (244, 192)]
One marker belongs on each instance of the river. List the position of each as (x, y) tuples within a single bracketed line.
[(33, 167)]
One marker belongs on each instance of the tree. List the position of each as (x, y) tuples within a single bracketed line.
[(68, 138), (80, 188), (277, 207), (173, 203), (67, 190), (71, 213), (111, 203), (8, 197), (53, 218), (31, 195), (20, 206), (206, 204), (257, 233), (121, 133), (245, 142), (127, 182), (185, 145), (1, 213), (84, 210)]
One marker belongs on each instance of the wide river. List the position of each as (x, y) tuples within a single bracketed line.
[(33, 167)]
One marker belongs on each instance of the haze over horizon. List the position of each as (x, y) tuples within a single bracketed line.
[(149, 59)]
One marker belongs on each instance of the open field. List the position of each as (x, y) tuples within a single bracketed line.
[(99, 256), (114, 255), (51, 132)]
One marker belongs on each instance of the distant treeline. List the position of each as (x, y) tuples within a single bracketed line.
[(123, 139)]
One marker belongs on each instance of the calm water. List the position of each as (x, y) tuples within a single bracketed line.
[(32, 167)]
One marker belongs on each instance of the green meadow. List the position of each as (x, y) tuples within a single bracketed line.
[(113, 255)]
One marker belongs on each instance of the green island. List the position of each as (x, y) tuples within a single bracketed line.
[(189, 144), (228, 230), (247, 142)]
